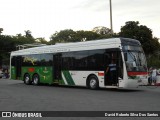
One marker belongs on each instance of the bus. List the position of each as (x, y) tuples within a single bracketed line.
[(83, 64)]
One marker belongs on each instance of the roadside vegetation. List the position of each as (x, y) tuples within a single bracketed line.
[(131, 29)]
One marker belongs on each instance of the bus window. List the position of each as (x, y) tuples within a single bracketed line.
[(68, 61), (46, 59), (96, 59), (81, 62), (13, 61)]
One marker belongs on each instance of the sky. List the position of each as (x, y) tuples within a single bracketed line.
[(44, 17)]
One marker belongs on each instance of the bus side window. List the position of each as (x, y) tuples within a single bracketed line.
[(107, 58), (13, 61)]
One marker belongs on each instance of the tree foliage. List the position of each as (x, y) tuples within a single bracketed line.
[(41, 41), (142, 33), (63, 36), (131, 29), (28, 34), (69, 35), (8, 43), (102, 30)]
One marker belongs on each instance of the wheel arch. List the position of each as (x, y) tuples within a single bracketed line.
[(33, 81), (88, 78), (25, 75), (27, 81), (34, 75)]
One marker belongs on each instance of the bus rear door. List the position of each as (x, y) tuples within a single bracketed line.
[(57, 65), (18, 66)]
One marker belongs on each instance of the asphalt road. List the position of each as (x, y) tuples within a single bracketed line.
[(16, 96)]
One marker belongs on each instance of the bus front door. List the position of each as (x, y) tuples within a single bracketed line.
[(115, 68), (57, 59)]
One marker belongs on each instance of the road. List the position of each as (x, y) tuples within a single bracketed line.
[(16, 96)]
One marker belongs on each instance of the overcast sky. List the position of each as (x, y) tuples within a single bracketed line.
[(44, 17)]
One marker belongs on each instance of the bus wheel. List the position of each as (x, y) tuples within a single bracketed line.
[(93, 83), (36, 79), (27, 80)]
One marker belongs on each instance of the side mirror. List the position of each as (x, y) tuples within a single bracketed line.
[(125, 57)]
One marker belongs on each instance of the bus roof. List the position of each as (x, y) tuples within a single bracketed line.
[(75, 46)]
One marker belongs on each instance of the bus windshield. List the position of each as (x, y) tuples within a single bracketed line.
[(135, 58)]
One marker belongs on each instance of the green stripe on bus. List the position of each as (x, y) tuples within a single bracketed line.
[(61, 82), (68, 78)]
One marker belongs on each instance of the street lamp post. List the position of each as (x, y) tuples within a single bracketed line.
[(111, 26)]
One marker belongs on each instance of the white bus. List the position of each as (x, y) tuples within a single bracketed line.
[(105, 63)]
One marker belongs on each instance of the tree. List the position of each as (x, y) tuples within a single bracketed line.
[(41, 41), (86, 35), (63, 36), (28, 34), (9, 43), (20, 39), (142, 33), (69, 35), (102, 30), (6, 46)]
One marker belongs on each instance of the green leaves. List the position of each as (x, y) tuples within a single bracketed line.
[(131, 29), (142, 33), (69, 35)]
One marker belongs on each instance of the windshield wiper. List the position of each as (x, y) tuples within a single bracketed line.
[(133, 57)]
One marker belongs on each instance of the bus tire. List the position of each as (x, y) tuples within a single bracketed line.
[(35, 79), (93, 82), (27, 79)]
